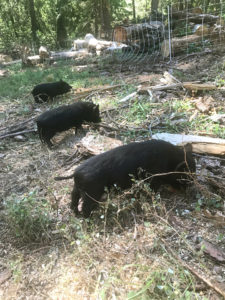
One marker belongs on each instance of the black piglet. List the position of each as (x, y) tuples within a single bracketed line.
[(47, 91), (65, 117)]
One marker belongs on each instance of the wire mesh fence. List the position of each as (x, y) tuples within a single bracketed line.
[(175, 29)]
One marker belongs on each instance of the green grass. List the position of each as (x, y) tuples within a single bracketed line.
[(173, 283), (200, 124), (21, 81), (139, 112)]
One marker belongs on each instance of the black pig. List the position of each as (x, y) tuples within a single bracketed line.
[(45, 91), (65, 117), (117, 165)]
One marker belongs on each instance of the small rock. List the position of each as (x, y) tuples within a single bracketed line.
[(38, 110), (217, 270), (218, 118), (197, 239), (19, 138), (220, 278)]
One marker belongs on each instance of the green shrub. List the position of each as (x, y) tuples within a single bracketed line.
[(29, 217)]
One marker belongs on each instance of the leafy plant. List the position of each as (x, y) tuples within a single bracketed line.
[(162, 285), (220, 81), (74, 230), (29, 217), (16, 268), (211, 201)]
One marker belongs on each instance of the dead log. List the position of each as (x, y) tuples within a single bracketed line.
[(178, 44), (140, 37), (201, 29), (199, 86), (12, 62), (36, 59), (200, 144), (195, 18), (192, 86), (165, 87)]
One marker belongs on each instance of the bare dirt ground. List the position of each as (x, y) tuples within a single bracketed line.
[(173, 238)]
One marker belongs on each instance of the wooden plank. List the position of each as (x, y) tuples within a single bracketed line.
[(200, 144)]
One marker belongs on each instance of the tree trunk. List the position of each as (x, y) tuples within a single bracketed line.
[(96, 9), (106, 16), (178, 44), (61, 33), (154, 6), (34, 23), (134, 10), (13, 24), (181, 5)]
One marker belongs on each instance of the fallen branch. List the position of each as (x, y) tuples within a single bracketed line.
[(17, 133), (193, 86), (166, 87), (114, 122), (212, 285), (18, 125), (128, 97), (99, 89), (199, 86), (136, 128), (87, 93), (207, 51), (104, 126)]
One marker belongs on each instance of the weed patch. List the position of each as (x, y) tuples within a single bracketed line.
[(29, 217)]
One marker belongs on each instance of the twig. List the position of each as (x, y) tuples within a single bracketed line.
[(166, 87), (17, 133), (128, 97), (103, 125), (212, 285), (100, 89), (18, 125), (90, 92), (114, 122), (194, 54), (71, 156)]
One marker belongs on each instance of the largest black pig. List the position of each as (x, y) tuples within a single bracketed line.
[(120, 164)]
